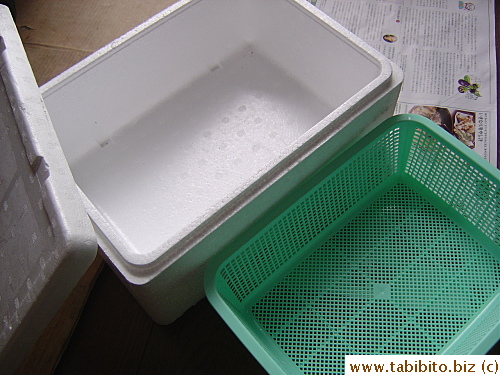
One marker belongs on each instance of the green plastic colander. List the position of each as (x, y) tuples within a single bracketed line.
[(391, 248)]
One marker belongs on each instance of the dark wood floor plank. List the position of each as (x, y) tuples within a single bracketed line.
[(112, 332), (50, 346), (115, 336), (197, 343)]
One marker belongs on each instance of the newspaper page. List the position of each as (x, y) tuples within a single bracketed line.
[(446, 49)]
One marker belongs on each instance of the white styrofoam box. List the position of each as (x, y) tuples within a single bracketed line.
[(189, 127), (46, 238)]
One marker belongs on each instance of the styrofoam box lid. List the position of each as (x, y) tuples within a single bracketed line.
[(46, 239)]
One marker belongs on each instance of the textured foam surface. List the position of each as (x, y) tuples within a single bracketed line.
[(197, 149), (46, 239)]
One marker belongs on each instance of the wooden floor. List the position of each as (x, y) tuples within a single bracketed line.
[(112, 334), (115, 336)]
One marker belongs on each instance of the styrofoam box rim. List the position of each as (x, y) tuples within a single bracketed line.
[(141, 268)]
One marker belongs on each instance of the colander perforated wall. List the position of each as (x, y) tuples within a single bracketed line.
[(310, 216), (461, 185)]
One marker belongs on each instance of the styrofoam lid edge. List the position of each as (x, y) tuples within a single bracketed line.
[(60, 234), (42, 147)]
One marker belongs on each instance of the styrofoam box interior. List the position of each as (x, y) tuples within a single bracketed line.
[(167, 125)]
